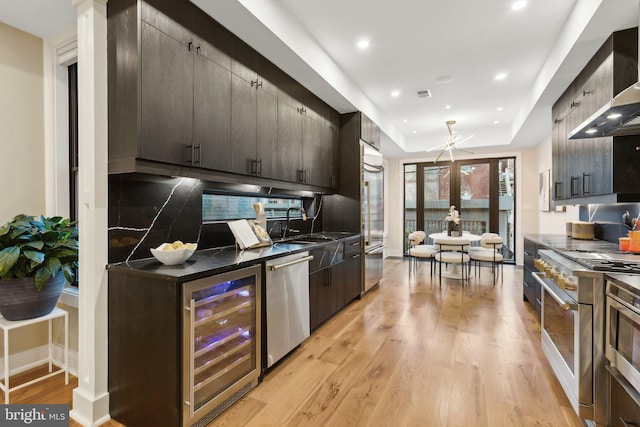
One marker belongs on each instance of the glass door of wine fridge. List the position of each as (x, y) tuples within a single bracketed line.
[(221, 335)]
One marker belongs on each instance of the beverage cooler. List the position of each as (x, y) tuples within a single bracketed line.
[(221, 345), (182, 351)]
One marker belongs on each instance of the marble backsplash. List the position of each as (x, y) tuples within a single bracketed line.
[(147, 210), (608, 219)]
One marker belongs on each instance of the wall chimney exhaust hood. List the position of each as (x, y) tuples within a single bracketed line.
[(620, 116)]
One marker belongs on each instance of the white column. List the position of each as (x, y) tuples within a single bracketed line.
[(91, 397)]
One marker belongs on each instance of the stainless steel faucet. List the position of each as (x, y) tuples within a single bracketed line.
[(283, 233)]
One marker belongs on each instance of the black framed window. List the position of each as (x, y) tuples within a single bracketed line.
[(483, 190), (73, 141)]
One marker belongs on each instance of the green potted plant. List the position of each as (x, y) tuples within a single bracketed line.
[(37, 256)]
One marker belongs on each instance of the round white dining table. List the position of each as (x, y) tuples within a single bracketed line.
[(453, 272)]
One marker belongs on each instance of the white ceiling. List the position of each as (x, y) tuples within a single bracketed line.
[(412, 42)]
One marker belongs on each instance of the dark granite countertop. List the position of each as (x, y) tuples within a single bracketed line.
[(213, 261)]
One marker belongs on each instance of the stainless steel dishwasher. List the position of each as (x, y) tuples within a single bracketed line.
[(287, 284)]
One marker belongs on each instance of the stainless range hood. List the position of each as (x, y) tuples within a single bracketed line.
[(618, 117)]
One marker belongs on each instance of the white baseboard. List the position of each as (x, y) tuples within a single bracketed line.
[(28, 359)]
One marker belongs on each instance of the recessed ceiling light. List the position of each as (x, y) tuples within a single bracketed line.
[(363, 43), (517, 5), (405, 120), (499, 108), (614, 116), (441, 80), (590, 131), (447, 107), (500, 76), (495, 122), (395, 93), (414, 132)]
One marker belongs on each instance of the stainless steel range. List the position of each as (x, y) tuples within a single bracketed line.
[(610, 262), (573, 306)]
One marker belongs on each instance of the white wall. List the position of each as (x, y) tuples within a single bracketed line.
[(553, 222), (21, 124), (22, 151)]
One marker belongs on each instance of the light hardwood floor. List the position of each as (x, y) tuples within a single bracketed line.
[(409, 353)]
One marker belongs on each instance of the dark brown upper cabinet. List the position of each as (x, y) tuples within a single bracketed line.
[(596, 170), (187, 97), (254, 116)]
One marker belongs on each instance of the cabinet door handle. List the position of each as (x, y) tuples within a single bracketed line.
[(574, 192), (355, 256), (198, 49), (190, 46), (555, 189), (259, 167), (197, 148), (258, 84), (584, 180), (190, 155)]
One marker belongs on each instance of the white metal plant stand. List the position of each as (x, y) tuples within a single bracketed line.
[(8, 325)]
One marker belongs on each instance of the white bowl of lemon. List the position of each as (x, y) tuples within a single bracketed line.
[(174, 253)]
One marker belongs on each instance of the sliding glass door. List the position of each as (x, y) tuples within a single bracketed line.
[(482, 190)]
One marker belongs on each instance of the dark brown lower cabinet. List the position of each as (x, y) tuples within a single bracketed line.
[(335, 279), (531, 291), (180, 351), (325, 297), (352, 270)]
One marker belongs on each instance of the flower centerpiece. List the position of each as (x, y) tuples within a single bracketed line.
[(453, 222)]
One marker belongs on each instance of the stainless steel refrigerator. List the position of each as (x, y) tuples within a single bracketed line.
[(372, 213)]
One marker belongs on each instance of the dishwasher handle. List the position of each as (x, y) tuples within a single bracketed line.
[(290, 263)]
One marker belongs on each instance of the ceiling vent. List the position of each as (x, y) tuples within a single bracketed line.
[(424, 93)]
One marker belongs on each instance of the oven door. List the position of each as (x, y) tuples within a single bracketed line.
[(623, 340), (567, 335)]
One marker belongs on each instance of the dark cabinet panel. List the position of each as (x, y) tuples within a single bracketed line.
[(254, 118), (166, 101), (289, 142), (267, 131), (369, 131), (212, 111), (243, 124), (531, 288), (352, 276), (319, 297), (314, 159)]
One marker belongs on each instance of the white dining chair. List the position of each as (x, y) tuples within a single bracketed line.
[(489, 252), (452, 250), (418, 250)]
